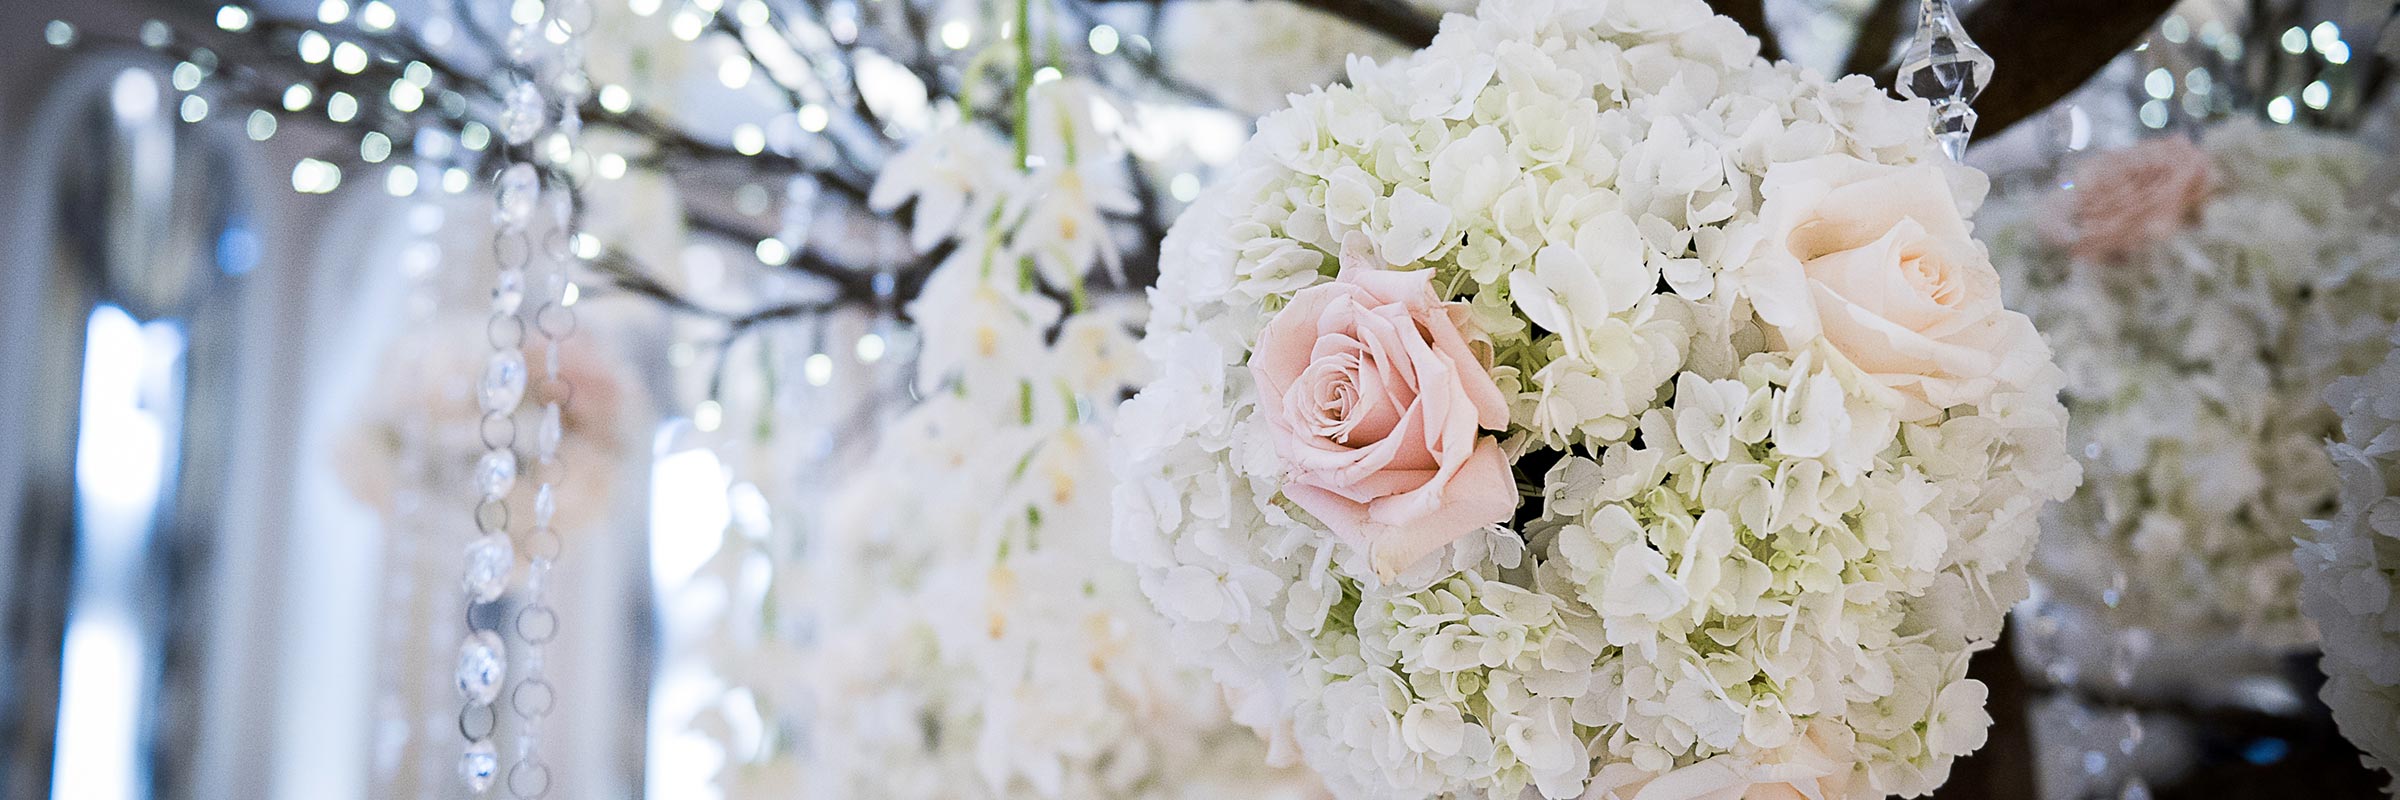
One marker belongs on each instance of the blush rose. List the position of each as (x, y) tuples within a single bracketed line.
[(1377, 393), (1877, 263)]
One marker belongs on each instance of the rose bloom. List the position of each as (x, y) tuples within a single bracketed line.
[(2127, 200), (1876, 262), (1376, 393)]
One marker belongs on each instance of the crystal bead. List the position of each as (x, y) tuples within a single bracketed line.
[(552, 432), (490, 559), (503, 384), (524, 115), (496, 474), (545, 506), (482, 668), (479, 766), (508, 293), (520, 42), (1945, 67), (519, 190)]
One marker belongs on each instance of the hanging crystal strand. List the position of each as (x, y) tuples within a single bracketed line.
[(536, 621), (1945, 68), (492, 558)]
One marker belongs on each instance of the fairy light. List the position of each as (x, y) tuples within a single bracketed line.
[(341, 107), (185, 77), (956, 34), (748, 139), (400, 181), (233, 18), (332, 12), (406, 97), (194, 108), (687, 25), (298, 97), (2280, 110), (1103, 39), (611, 166), (260, 126), (374, 147), (642, 8), (814, 118), (2160, 83), (349, 58), (616, 99), (2295, 41), (311, 176), (734, 72), (773, 252), (314, 47), (377, 16), (2317, 95)]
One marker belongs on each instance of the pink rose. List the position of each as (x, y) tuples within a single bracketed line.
[(1377, 400), (1877, 263), (2130, 199)]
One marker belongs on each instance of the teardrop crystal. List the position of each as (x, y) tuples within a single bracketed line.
[(490, 560), (503, 384), (508, 293), (479, 766), (496, 474), (482, 668), (524, 115), (519, 190), (1944, 67), (545, 506), (552, 432)]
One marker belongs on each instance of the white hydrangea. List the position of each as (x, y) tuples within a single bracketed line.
[(1743, 556), (974, 636), (2197, 357), (2350, 564)]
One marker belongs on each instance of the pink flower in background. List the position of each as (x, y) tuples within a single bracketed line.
[(2130, 199), (1377, 402)]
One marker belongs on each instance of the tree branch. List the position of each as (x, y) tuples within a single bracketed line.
[(2046, 49), (1878, 30)]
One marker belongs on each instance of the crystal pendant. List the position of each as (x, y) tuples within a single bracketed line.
[(520, 188), (503, 384), (490, 559), (479, 766), (509, 293), (482, 667), (524, 115), (545, 506), (553, 430), (1945, 68), (496, 474)]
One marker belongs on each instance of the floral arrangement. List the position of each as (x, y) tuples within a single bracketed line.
[(1586, 407), (2201, 296), (2349, 565), (974, 637)]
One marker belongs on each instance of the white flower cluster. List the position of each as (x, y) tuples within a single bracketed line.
[(2350, 565), (1775, 489), (975, 638), (2197, 361)]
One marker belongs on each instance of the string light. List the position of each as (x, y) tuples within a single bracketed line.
[(814, 118), (748, 139), (2317, 95), (616, 99), (185, 76), (298, 97), (332, 12), (406, 97), (311, 176), (1103, 39), (377, 16), (260, 125), (195, 108), (233, 18), (374, 147), (314, 47), (401, 181), (58, 33), (349, 58), (956, 34), (341, 107), (2280, 110)]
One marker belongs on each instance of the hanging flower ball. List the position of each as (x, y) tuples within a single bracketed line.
[(1584, 407)]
